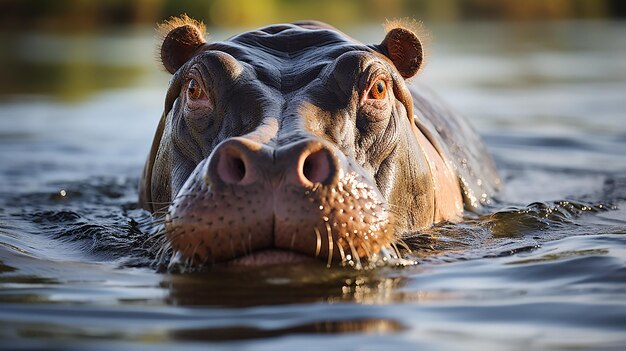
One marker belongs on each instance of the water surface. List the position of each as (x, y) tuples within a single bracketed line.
[(545, 268)]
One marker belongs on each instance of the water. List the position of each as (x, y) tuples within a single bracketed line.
[(544, 269)]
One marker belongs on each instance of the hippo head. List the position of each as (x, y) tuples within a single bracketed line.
[(292, 141)]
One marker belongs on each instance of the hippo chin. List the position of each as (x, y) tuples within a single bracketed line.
[(294, 142)]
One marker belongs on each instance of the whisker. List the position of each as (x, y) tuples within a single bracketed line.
[(341, 253), (364, 246), (155, 230), (318, 246), (330, 245), (161, 257), (355, 254), (176, 234), (395, 249), (153, 223), (160, 203), (160, 251), (158, 242), (404, 245), (174, 260)]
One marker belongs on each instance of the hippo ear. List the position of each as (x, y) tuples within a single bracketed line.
[(182, 38), (403, 47)]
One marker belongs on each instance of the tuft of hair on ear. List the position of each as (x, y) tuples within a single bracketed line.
[(167, 30), (417, 28), (174, 22)]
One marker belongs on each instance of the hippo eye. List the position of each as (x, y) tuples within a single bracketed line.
[(378, 90), (194, 91)]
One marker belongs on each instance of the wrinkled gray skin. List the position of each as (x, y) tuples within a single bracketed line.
[(287, 157)]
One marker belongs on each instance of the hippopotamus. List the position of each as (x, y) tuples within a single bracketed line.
[(295, 142)]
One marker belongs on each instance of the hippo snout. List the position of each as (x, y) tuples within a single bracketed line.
[(240, 161), (248, 198)]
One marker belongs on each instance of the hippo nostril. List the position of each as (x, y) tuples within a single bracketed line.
[(231, 168), (239, 168), (317, 166)]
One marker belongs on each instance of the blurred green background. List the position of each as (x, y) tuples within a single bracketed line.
[(75, 15), (69, 49)]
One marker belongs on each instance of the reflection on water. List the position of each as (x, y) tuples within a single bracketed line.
[(72, 67), (544, 269)]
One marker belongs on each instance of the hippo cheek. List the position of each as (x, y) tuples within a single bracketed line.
[(268, 207)]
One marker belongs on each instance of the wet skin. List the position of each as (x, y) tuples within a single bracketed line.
[(294, 141)]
